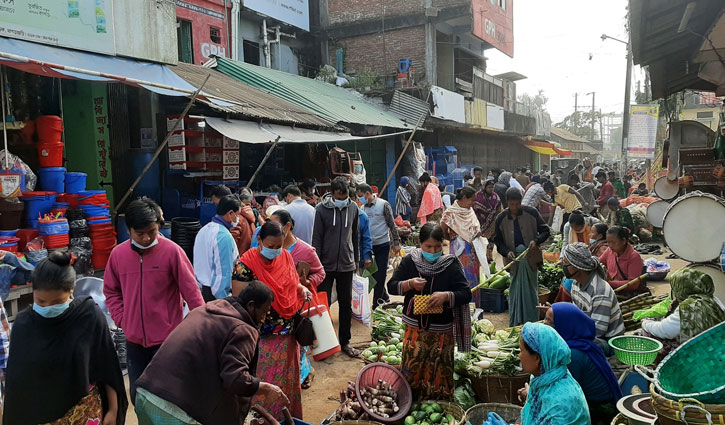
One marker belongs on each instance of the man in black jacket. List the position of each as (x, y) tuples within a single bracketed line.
[(336, 240)]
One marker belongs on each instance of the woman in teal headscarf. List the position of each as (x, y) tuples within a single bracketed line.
[(553, 397)]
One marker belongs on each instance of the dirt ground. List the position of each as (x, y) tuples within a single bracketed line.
[(333, 373)]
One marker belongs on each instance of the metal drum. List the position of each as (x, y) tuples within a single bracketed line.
[(694, 227), (717, 276), (656, 213), (666, 189)]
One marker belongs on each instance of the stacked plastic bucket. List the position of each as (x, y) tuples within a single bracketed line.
[(50, 144), (37, 204), (9, 240), (103, 240), (54, 232)]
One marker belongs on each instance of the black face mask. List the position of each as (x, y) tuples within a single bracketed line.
[(567, 273)]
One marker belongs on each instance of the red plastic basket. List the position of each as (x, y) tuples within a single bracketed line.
[(369, 376)]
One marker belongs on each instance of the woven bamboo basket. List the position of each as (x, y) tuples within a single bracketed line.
[(458, 414), (670, 412), (620, 420), (499, 389), (355, 423)]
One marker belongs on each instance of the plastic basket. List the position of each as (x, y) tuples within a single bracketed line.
[(369, 376), (479, 413), (635, 350), (695, 369), (493, 300)]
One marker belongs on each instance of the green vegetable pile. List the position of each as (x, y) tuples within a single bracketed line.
[(501, 282), (386, 323), (556, 246), (429, 414), (550, 276), (389, 352), (494, 352)]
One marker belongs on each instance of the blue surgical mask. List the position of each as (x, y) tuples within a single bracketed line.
[(270, 253), (342, 204), (363, 200), (432, 258), (141, 247), (51, 311), (591, 241)]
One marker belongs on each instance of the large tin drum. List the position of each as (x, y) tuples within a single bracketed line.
[(656, 213), (718, 278), (666, 189), (694, 227)]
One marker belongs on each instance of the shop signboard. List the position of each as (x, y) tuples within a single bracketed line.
[(102, 145), (493, 22), (208, 36), (293, 12), (642, 131), (79, 24)]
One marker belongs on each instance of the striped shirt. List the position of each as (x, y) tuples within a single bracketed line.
[(534, 195), (598, 301)]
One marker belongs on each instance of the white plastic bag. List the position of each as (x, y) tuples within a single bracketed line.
[(480, 244), (558, 218), (360, 299)]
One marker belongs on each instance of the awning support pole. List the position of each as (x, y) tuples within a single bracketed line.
[(405, 149), (161, 147), (264, 161), (5, 130)]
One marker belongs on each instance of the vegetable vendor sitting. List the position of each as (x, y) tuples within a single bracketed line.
[(623, 263), (427, 358), (591, 292)]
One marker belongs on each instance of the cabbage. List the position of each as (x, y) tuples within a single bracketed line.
[(484, 326)]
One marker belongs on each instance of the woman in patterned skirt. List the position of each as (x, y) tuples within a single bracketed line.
[(428, 343), (279, 352)]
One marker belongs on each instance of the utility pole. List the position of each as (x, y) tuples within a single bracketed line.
[(601, 127), (625, 118), (576, 102), (593, 96)]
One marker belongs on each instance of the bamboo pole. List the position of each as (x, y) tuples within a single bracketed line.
[(498, 273), (635, 280), (264, 161), (161, 147)]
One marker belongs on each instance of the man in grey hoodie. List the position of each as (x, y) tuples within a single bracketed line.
[(336, 240)]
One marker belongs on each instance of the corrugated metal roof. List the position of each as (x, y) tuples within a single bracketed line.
[(408, 108), (329, 101), (247, 100), (565, 134)]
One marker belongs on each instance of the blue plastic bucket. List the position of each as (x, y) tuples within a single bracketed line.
[(56, 228), (75, 182), (52, 179), (8, 233), (37, 204), (104, 221)]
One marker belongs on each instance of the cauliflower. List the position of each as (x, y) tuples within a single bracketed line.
[(479, 338), (502, 334), (484, 326)]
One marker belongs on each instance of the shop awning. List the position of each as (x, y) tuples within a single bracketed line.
[(58, 62), (545, 148), (253, 132)]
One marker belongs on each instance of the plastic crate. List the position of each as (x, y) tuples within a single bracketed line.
[(493, 300)]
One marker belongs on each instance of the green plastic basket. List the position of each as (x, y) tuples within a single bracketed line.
[(635, 350)]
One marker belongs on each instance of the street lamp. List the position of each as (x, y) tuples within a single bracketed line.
[(627, 90)]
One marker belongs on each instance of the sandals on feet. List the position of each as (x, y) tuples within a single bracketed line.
[(351, 352)]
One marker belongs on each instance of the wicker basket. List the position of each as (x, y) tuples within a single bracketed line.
[(620, 420), (368, 377), (635, 350), (478, 413), (450, 408), (499, 389), (669, 412), (695, 369)]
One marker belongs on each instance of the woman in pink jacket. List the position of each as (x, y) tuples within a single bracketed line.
[(311, 275), (145, 282)]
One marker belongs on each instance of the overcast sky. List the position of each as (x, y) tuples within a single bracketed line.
[(552, 43)]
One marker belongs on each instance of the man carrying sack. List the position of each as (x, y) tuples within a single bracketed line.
[(519, 228)]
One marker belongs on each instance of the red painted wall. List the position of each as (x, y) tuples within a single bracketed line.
[(200, 13)]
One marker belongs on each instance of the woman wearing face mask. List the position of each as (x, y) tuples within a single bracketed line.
[(578, 228), (310, 271), (598, 240), (279, 352), (552, 395), (428, 343), (62, 361)]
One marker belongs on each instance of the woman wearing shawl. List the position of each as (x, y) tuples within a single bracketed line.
[(694, 309), (598, 240), (502, 185), (487, 206), (553, 397), (62, 367), (279, 353), (588, 366), (461, 226), (431, 206), (428, 343), (402, 200)]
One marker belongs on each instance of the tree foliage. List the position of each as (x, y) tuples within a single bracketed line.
[(537, 101), (580, 123)]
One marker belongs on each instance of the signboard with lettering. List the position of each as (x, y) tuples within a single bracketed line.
[(642, 131), (293, 12), (493, 22), (79, 24)]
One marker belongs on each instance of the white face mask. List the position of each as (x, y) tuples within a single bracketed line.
[(236, 222), (141, 247)]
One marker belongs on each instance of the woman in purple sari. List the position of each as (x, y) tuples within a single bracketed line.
[(487, 207)]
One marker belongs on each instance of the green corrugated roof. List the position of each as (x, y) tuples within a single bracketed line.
[(331, 102)]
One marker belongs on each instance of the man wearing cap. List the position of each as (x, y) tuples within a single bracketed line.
[(591, 292)]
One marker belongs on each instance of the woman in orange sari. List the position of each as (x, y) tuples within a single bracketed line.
[(279, 352), (431, 206)]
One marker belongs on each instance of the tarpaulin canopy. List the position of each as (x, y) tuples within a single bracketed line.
[(59, 62), (253, 132), (545, 148)]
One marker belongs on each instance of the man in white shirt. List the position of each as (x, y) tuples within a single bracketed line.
[(302, 213)]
